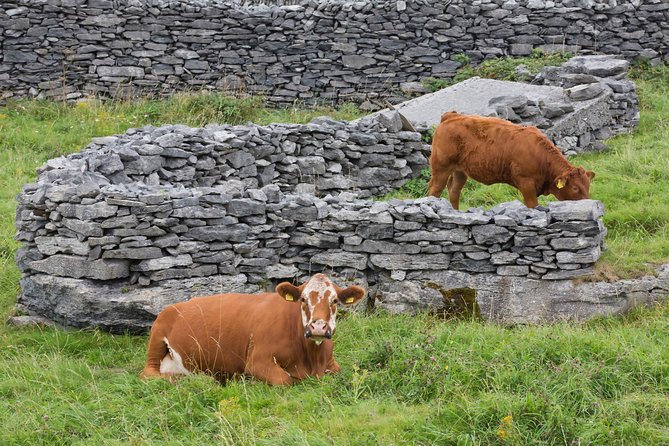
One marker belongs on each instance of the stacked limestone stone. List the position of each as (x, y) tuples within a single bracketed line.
[(599, 102), (327, 50), (370, 157), (162, 210), (590, 77)]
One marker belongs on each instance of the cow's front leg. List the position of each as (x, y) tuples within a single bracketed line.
[(529, 191), (333, 367), (271, 373)]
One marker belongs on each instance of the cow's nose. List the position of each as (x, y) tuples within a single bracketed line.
[(319, 328)]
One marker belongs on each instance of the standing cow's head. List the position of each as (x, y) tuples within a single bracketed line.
[(574, 184), (319, 298)]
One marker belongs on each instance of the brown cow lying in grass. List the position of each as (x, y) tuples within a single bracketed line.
[(274, 337), (492, 150)]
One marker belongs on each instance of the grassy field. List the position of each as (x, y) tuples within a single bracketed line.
[(405, 380)]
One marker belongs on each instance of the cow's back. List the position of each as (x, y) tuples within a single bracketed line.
[(489, 150), (216, 333)]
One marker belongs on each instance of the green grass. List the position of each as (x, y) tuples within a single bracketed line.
[(405, 380)]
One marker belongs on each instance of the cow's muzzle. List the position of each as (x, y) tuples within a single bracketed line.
[(318, 329)]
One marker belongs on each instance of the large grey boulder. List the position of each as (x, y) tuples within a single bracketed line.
[(519, 300), (113, 306)]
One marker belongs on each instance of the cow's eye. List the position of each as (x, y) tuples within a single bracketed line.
[(335, 301)]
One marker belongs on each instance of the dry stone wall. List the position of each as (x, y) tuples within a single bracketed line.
[(121, 225), (327, 50), (371, 157)]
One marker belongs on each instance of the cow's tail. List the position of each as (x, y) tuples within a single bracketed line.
[(155, 352), (448, 115)]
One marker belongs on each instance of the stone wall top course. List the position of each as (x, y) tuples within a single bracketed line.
[(314, 51)]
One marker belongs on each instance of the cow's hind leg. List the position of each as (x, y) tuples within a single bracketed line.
[(162, 361), (438, 180), (455, 184), (155, 352)]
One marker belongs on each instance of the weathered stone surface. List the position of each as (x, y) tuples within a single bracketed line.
[(584, 92), (357, 62), (87, 212), (581, 210), (586, 256), (161, 263), (601, 66), (137, 72), (513, 270), (219, 233), (66, 245), (244, 207), (489, 234), (29, 321), (133, 253), (85, 228), (184, 273), (518, 300), (115, 306), (199, 212), (77, 267), (341, 259), (280, 271), (409, 262)]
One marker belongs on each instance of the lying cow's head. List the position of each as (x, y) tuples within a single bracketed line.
[(319, 298), (573, 184)]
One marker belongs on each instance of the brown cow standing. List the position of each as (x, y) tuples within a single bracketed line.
[(492, 150), (275, 337)]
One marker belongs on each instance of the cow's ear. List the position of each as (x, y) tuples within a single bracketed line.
[(590, 174), (288, 291), (351, 295), (561, 181)]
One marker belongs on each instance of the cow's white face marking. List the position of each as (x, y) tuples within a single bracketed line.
[(172, 364), (319, 292)]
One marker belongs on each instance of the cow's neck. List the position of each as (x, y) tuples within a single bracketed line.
[(316, 357), (556, 165)]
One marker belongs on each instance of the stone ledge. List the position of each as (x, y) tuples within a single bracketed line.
[(519, 300)]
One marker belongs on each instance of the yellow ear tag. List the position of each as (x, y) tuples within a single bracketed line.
[(349, 300), (289, 297), (560, 183)]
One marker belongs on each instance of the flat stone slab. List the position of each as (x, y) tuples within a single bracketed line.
[(471, 97), (484, 97)]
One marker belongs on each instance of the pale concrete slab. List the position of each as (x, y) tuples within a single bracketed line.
[(471, 97), (571, 131)]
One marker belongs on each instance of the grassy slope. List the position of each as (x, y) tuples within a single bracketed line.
[(405, 380)]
